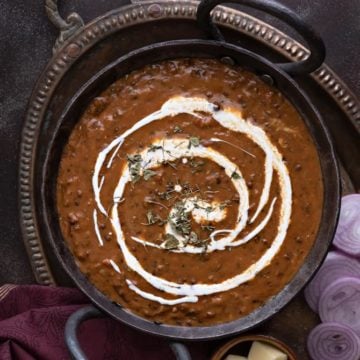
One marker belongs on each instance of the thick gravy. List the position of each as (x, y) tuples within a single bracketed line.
[(190, 192)]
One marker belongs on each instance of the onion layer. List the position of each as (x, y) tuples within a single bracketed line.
[(334, 267), (340, 303), (332, 341), (347, 237)]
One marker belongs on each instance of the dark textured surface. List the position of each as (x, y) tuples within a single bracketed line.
[(26, 39)]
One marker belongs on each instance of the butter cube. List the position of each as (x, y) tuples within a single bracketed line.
[(235, 357), (262, 351)]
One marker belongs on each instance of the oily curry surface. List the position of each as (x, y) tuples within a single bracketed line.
[(190, 192)]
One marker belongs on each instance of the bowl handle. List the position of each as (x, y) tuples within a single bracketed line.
[(89, 312), (68, 27), (313, 40)]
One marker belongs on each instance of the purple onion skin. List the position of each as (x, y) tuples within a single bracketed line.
[(334, 267), (332, 341), (347, 237), (349, 240), (350, 209), (340, 302)]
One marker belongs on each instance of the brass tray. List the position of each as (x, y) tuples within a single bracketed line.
[(150, 22)]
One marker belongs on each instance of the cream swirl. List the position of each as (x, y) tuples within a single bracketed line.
[(177, 148)]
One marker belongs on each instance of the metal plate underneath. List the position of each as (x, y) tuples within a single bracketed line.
[(339, 108)]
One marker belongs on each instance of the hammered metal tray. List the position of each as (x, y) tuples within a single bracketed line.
[(146, 23)]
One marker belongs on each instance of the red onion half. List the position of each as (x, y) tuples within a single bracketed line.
[(332, 341), (334, 267), (347, 237), (340, 302)]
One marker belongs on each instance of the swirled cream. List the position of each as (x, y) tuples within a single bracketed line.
[(165, 150)]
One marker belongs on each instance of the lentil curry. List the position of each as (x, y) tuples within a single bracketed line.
[(190, 192)]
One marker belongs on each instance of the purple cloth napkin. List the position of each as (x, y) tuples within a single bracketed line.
[(32, 321)]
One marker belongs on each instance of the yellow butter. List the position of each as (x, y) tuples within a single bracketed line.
[(262, 351), (235, 357)]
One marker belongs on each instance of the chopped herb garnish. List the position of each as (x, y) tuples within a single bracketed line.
[(208, 209), (194, 141), (177, 129), (224, 204), (151, 218), (166, 195), (171, 242), (134, 163), (180, 219), (133, 159), (209, 228), (166, 162), (154, 147), (235, 175), (196, 165), (148, 174), (195, 241), (187, 189)]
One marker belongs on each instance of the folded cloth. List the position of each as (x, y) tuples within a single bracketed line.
[(32, 321)]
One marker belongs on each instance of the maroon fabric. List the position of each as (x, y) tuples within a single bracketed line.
[(32, 320)]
